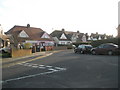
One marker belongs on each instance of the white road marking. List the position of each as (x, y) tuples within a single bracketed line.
[(51, 69), (41, 65), (49, 54), (36, 66), (49, 66), (29, 65), (60, 68), (34, 75)]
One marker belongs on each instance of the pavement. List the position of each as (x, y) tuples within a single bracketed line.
[(33, 55)]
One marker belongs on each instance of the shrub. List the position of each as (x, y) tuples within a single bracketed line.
[(70, 46), (77, 44), (112, 40), (27, 45)]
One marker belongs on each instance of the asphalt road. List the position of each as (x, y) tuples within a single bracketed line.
[(64, 70)]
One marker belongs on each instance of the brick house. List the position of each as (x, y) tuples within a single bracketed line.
[(4, 39), (26, 34)]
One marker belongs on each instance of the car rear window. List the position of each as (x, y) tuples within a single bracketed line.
[(88, 46)]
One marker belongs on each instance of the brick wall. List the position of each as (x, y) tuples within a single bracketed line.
[(20, 52)]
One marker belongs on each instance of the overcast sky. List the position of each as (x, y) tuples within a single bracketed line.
[(87, 16)]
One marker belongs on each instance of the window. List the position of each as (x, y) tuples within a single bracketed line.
[(101, 46)]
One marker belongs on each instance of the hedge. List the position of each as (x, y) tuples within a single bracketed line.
[(76, 44), (112, 40)]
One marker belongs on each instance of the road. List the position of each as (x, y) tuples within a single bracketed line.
[(64, 69)]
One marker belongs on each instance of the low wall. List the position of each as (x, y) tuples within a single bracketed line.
[(20, 52), (60, 48), (49, 48)]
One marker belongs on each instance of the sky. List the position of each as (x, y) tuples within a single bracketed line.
[(86, 16)]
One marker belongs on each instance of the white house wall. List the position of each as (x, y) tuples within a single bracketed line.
[(38, 42), (84, 38), (64, 42)]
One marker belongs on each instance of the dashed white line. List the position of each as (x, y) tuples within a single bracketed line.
[(35, 66), (51, 68), (41, 65)]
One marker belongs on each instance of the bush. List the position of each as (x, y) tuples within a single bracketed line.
[(77, 44), (112, 40), (70, 46), (5, 55), (27, 45)]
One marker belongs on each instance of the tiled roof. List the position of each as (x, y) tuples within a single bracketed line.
[(4, 37)]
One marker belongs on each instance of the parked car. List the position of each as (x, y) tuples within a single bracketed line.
[(107, 48), (5, 50), (83, 49)]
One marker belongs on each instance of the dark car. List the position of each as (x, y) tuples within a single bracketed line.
[(83, 49), (107, 48)]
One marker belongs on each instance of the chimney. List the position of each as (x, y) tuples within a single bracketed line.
[(63, 29), (28, 25), (78, 32)]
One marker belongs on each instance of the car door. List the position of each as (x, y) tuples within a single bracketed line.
[(105, 49), (79, 48), (100, 49)]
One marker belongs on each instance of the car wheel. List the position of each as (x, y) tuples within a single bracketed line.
[(110, 52), (93, 52), (75, 51), (3, 51)]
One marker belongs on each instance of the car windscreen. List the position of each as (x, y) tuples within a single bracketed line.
[(88, 46)]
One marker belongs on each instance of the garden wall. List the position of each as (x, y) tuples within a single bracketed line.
[(20, 52)]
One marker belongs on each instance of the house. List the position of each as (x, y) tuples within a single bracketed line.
[(76, 36), (4, 39), (26, 34), (60, 37), (66, 37), (96, 36)]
